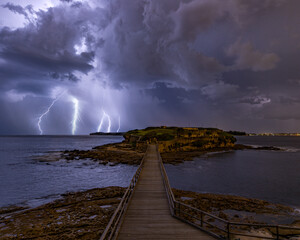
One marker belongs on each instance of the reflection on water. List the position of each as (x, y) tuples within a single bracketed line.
[(22, 179), (269, 175)]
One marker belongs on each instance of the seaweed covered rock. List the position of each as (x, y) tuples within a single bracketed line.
[(76, 215)]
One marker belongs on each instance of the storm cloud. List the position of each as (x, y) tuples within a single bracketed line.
[(172, 62)]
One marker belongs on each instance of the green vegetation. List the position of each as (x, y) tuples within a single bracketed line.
[(159, 133), (181, 139)]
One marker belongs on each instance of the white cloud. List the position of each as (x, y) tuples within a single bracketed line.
[(81, 47), (256, 101)]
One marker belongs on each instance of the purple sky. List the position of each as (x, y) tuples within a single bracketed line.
[(231, 64)]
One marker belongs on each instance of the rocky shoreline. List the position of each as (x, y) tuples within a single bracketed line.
[(112, 154), (182, 156), (84, 215), (237, 208), (176, 145), (77, 215), (124, 153)]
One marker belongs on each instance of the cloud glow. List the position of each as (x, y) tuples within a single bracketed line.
[(149, 63)]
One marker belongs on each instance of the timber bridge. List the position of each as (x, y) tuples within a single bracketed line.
[(149, 210)]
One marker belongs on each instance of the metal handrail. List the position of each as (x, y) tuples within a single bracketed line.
[(179, 210), (113, 227)]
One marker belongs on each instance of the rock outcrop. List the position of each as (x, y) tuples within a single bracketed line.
[(174, 139), (78, 215)]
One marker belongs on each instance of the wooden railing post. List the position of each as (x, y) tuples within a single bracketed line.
[(228, 230), (177, 211), (201, 219)]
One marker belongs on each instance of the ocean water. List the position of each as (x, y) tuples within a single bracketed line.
[(270, 175), (24, 180)]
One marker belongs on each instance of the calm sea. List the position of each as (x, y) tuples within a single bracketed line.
[(270, 175), (24, 180)]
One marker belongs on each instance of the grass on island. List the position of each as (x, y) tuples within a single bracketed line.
[(174, 139)]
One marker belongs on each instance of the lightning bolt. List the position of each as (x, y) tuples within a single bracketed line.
[(46, 112), (109, 122), (75, 115), (119, 124), (100, 125), (105, 115)]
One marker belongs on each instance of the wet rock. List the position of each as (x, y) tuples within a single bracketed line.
[(78, 215), (239, 209), (182, 156), (216, 203), (111, 154), (11, 209), (270, 148), (222, 215)]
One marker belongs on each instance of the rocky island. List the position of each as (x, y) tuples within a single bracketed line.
[(175, 144)]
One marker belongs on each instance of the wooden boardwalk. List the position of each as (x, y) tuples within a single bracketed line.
[(148, 215)]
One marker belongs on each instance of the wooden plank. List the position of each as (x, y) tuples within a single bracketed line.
[(148, 214)]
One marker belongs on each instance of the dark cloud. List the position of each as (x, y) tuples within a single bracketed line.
[(44, 49), (245, 12), (249, 58), (234, 59), (25, 11), (175, 98), (195, 16), (18, 9), (220, 90), (61, 62)]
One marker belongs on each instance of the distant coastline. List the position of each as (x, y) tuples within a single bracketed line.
[(274, 134), (234, 133), (239, 133), (108, 134)]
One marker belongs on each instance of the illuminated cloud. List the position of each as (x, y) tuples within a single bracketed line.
[(150, 62)]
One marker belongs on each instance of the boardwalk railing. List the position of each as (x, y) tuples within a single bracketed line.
[(111, 230), (218, 227)]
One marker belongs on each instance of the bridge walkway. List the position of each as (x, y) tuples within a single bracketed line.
[(148, 214)]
